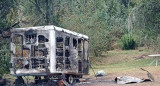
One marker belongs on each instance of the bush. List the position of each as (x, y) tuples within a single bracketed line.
[(128, 42)]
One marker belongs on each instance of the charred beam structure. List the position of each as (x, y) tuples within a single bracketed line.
[(50, 52)]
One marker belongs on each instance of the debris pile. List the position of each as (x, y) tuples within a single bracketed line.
[(127, 80), (130, 79), (100, 73)]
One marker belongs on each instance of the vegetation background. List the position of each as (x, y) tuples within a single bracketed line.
[(110, 24)]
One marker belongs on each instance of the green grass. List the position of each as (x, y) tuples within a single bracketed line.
[(122, 61), (123, 66), (116, 56)]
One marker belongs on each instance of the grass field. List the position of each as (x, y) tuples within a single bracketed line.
[(119, 61), (125, 63)]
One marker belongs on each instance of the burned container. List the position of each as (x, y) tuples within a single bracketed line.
[(48, 51)]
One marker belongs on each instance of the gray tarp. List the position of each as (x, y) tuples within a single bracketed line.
[(127, 79), (130, 79)]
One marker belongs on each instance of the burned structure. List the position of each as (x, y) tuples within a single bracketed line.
[(49, 51)]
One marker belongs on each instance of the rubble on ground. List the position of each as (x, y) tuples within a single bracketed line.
[(100, 73)]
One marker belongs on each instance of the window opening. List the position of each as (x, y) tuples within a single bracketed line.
[(39, 53), (67, 53), (38, 63), (67, 39), (42, 39), (80, 47), (41, 46), (32, 50), (59, 65), (31, 39), (59, 52), (59, 39), (59, 43), (67, 62), (25, 52), (74, 43), (19, 64), (40, 50), (18, 41), (22, 63)]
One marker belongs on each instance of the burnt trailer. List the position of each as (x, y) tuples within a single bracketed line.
[(50, 52)]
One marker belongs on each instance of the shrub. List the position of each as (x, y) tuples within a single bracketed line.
[(128, 42)]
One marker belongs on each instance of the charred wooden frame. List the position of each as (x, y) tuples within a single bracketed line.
[(48, 51)]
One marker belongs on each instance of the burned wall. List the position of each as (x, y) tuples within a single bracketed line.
[(71, 53), (29, 50)]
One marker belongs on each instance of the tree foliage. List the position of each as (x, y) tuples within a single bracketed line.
[(104, 21), (143, 21), (4, 55)]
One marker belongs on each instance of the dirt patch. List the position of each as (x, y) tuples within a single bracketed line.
[(108, 80)]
